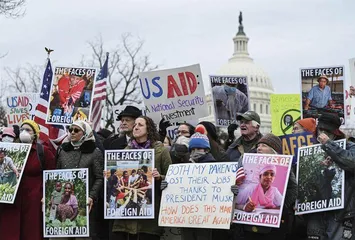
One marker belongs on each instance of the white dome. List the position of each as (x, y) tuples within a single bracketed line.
[(260, 85)]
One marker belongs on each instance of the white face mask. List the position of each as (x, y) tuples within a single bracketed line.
[(25, 137), (8, 139)]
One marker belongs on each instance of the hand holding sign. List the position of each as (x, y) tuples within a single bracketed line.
[(156, 174)]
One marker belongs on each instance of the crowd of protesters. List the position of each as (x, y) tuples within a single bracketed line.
[(84, 148)]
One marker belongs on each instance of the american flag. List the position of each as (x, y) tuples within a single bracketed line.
[(99, 95), (49, 133)]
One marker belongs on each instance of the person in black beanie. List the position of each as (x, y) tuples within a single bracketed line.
[(210, 130)]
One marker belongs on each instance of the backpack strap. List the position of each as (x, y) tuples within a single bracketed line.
[(40, 155)]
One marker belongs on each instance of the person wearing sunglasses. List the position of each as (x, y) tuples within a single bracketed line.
[(265, 195), (23, 219), (81, 152)]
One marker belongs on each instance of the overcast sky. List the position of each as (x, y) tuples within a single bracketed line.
[(284, 34)]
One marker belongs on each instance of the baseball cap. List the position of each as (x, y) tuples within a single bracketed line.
[(249, 115)]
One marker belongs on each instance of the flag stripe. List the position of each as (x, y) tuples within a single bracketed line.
[(99, 95)]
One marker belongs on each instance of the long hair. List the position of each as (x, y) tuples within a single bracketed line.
[(152, 131)]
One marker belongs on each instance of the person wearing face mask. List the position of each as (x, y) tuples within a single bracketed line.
[(23, 219), (81, 152), (179, 151), (337, 224), (8, 135), (145, 136)]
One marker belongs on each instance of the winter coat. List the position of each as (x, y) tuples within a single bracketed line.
[(23, 219), (149, 226), (115, 142), (87, 156), (218, 152), (236, 149), (179, 153)]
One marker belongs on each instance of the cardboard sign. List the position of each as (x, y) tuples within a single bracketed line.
[(198, 195), (174, 94), (11, 169), (323, 96), (230, 97), (20, 107), (320, 181), (71, 95), (285, 111), (262, 170), (66, 212), (129, 184)]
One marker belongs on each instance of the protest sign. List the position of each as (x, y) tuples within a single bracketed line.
[(20, 106), (253, 205), (230, 96), (321, 95), (291, 143), (174, 94), (129, 184), (13, 158), (66, 213), (71, 95), (198, 195), (350, 95), (320, 181), (285, 110)]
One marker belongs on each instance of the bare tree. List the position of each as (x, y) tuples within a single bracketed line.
[(24, 79), (3, 121), (12, 8), (125, 62)]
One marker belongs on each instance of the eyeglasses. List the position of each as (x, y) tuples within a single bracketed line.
[(265, 174), (25, 129), (76, 130)]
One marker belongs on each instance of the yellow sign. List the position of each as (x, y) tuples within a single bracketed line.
[(285, 110)]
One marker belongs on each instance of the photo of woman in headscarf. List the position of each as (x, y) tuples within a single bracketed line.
[(263, 194), (68, 207)]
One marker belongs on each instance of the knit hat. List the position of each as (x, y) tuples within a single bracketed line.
[(329, 122), (268, 168), (210, 128), (199, 140), (33, 125), (9, 131), (309, 124), (272, 141)]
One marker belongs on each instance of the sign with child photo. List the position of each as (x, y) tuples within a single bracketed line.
[(129, 184), (66, 213)]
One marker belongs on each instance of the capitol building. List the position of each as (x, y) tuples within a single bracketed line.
[(260, 86)]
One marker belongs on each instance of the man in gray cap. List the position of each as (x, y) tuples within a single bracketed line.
[(249, 124)]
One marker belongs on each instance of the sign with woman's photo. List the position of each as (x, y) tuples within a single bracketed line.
[(13, 158), (129, 184), (66, 212), (230, 97), (261, 196), (320, 181), (71, 95), (322, 91)]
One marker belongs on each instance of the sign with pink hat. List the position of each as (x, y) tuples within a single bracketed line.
[(322, 91), (260, 200), (320, 181)]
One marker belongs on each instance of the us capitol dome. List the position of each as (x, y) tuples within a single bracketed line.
[(260, 86)]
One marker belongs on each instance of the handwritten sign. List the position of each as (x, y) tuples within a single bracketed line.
[(198, 195), (20, 107), (320, 181), (254, 205), (285, 110), (174, 94)]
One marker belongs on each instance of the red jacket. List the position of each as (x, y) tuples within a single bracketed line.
[(23, 219), (65, 91)]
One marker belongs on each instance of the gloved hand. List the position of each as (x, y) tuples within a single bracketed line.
[(163, 125), (235, 189), (163, 185), (231, 128)]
